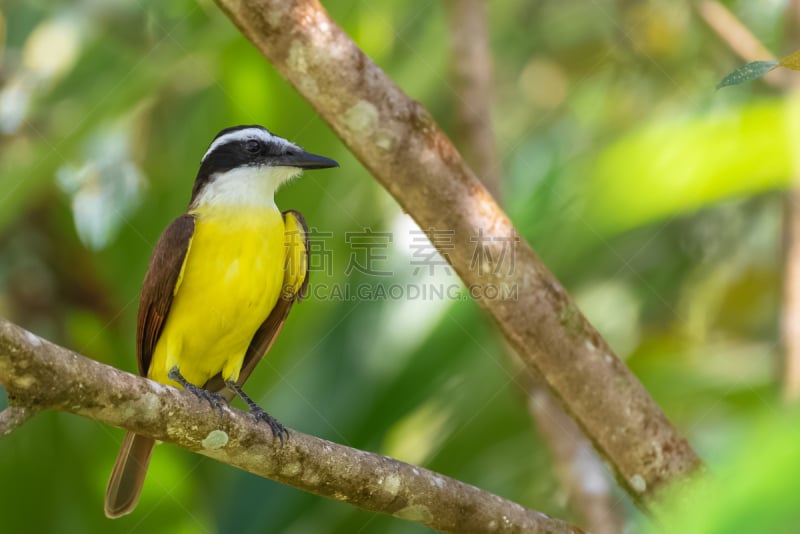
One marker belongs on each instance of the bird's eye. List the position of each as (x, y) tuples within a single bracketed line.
[(252, 146)]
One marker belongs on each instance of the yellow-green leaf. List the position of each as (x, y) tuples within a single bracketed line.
[(747, 72), (673, 166), (792, 61)]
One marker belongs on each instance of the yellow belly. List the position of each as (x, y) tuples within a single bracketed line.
[(232, 278)]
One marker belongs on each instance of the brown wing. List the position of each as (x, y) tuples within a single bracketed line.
[(160, 285), (295, 284)]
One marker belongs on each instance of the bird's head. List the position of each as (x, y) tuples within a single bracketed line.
[(245, 165)]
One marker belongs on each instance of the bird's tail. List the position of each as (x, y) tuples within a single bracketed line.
[(127, 478)]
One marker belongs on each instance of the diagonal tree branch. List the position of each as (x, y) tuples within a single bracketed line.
[(578, 468), (404, 149), (735, 34), (41, 375)]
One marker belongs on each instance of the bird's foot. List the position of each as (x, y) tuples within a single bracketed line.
[(214, 399), (278, 430)]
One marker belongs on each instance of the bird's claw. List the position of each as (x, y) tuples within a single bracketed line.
[(214, 399), (278, 430)]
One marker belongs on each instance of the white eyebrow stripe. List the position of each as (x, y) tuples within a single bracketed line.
[(243, 135)]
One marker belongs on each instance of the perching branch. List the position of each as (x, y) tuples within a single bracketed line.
[(404, 149), (41, 375)]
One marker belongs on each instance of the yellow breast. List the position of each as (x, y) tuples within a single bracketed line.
[(232, 278)]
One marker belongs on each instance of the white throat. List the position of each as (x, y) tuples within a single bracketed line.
[(245, 187)]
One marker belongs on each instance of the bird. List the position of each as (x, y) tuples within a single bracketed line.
[(221, 281)]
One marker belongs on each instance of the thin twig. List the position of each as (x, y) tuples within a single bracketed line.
[(739, 38), (742, 42), (405, 150), (578, 468), (790, 315), (471, 61), (46, 376)]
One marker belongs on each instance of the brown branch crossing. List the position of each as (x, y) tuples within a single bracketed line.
[(404, 149), (583, 477), (40, 375)]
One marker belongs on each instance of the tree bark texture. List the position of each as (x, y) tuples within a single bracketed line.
[(40, 375)]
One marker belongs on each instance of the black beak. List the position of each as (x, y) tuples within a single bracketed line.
[(304, 160)]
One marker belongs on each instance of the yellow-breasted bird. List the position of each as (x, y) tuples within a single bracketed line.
[(220, 284)]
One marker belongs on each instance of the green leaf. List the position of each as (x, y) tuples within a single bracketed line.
[(747, 72), (673, 166), (792, 61), (753, 487)]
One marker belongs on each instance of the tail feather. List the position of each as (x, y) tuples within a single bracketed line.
[(128, 475)]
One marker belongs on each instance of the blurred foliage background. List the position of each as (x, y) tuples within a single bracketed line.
[(656, 200)]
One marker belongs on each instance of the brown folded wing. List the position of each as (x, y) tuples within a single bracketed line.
[(160, 285)]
